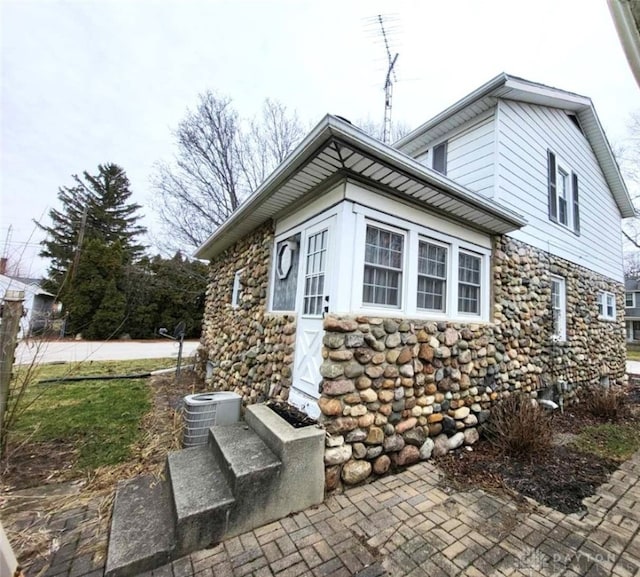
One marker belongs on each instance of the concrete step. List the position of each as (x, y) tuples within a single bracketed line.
[(142, 527), (202, 498), (245, 459)]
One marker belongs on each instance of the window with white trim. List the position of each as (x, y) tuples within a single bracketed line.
[(469, 283), (383, 261), (439, 160), (607, 306), (562, 185), (629, 301), (432, 277), (237, 289), (559, 308), (420, 272)]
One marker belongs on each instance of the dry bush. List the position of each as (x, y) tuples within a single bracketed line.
[(519, 427), (604, 403)]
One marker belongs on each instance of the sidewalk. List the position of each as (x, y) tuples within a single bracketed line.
[(413, 524), (75, 351)]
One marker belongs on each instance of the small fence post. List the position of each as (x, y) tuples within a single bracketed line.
[(9, 327)]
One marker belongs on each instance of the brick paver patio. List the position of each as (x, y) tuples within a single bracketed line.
[(413, 525)]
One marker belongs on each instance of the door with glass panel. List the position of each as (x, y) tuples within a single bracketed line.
[(312, 303)]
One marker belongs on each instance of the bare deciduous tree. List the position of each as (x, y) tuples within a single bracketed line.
[(376, 129), (628, 156), (218, 163)]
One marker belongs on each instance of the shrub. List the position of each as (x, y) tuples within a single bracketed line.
[(604, 403), (517, 426)]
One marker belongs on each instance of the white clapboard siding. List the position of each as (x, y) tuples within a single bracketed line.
[(470, 155), (525, 132)]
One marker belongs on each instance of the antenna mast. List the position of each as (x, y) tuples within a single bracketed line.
[(388, 82)]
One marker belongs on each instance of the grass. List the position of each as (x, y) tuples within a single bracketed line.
[(101, 418), (633, 352), (612, 441)]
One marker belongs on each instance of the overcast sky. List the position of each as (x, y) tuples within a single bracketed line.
[(100, 81)]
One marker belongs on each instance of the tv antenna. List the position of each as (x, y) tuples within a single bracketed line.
[(390, 77)]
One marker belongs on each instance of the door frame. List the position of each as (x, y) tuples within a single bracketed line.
[(301, 394)]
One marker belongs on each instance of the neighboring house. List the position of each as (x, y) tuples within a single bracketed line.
[(632, 309), (39, 305), (398, 291)]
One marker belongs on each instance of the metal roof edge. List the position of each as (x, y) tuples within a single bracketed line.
[(333, 127), (597, 138), (281, 172), (464, 102)]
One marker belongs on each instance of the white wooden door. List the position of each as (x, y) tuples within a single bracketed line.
[(312, 302)]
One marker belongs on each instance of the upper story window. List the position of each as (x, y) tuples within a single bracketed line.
[(564, 205), (559, 308), (629, 300), (383, 260), (439, 161), (607, 306)]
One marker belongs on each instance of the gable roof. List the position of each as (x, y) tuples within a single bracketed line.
[(336, 149), (514, 88)]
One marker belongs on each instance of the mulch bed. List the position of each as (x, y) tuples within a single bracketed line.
[(293, 416), (559, 477)]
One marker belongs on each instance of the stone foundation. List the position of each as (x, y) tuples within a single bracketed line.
[(245, 349), (396, 391)]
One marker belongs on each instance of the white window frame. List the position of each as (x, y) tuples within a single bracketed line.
[(237, 289), (565, 174), (626, 300), (401, 296), (474, 255), (444, 147), (559, 333), (446, 306), (564, 193), (606, 306), (413, 234)]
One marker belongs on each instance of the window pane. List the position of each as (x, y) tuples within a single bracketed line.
[(440, 158), (383, 267), (469, 283), (432, 273)]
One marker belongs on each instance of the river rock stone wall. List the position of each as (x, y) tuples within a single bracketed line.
[(245, 349), (396, 391)]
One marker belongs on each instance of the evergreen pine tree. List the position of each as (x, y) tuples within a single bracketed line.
[(102, 202), (99, 264), (110, 317)]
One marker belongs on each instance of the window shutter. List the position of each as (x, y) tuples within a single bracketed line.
[(551, 182), (576, 204)]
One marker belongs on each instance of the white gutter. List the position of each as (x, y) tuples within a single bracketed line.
[(628, 33), (330, 126)]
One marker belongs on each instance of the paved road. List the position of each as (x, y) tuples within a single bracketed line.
[(633, 367), (70, 351)]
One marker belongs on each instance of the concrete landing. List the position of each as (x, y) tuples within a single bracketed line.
[(142, 527), (201, 497)]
